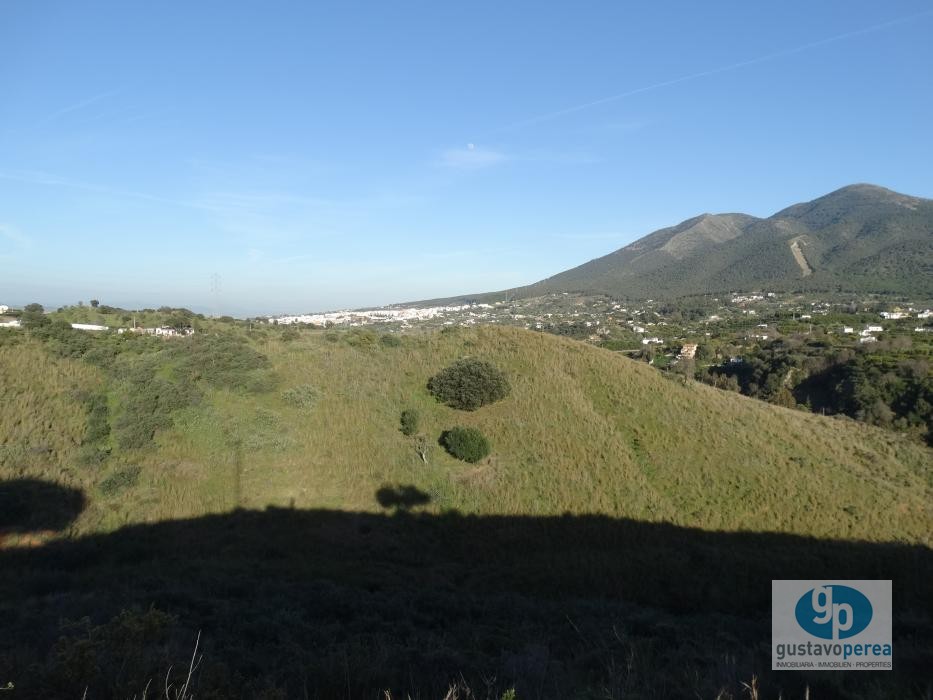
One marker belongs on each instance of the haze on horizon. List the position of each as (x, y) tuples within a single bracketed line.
[(256, 159)]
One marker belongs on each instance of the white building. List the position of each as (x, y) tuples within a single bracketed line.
[(4, 308), (656, 341), (89, 327), (893, 315), (848, 329), (874, 329), (10, 324)]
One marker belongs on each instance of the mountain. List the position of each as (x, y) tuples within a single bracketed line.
[(861, 238)]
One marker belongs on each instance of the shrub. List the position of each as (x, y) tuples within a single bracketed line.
[(360, 338), (468, 444), (224, 361), (410, 420), (120, 480), (468, 384), (302, 396), (390, 341)]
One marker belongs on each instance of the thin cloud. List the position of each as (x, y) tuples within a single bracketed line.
[(40, 178), (81, 104), (610, 235), (471, 158), (14, 236), (714, 71)]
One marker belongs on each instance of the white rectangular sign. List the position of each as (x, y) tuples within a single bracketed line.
[(831, 625)]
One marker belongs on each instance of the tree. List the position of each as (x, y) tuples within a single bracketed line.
[(33, 316), (409, 420), (95, 303), (468, 444), (469, 384)]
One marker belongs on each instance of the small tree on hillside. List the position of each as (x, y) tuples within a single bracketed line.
[(95, 303), (33, 316), (410, 421), (469, 384), (468, 444)]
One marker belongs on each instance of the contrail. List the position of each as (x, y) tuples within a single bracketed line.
[(87, 102), (713, 71)]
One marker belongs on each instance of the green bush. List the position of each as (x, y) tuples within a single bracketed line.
[(120, 480), (302, 396), (410, 420), (390, 341), (468, 444), (224, 361), (468, 384)]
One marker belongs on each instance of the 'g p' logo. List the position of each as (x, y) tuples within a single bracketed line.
[(833, 612)]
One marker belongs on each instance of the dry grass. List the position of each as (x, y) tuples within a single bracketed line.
[(584, 431)]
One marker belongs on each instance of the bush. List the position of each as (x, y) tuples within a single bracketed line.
[(390, 341), (410, 420), (302, 396), (468, 384), (118, 481), (468, 444), (224, 361)]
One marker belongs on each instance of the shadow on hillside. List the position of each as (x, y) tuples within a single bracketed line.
[(29, 505), (324, 604), (403, 497)]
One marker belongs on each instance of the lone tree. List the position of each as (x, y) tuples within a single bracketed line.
[(469, 384), (468, 444), (95, 303), (409, 420), (33, 316)]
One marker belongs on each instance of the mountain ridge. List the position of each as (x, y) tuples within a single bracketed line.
[(858, 238)]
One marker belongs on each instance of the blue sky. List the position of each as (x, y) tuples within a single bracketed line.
[(326, 155)]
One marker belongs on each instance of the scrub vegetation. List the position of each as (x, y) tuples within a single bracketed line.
[(595, 521)]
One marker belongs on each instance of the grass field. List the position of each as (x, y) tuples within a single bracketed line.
[(584, 431), (624, 481)]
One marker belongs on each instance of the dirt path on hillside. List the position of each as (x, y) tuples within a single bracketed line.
[(799, 257)]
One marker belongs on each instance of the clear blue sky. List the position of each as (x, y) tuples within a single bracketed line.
[(317, 155)]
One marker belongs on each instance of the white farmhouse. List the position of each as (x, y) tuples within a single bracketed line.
[(4, 308)]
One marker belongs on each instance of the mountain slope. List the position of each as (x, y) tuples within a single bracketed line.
[(858, 238)]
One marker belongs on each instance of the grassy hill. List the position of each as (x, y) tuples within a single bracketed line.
[(584, 430), (613, 497), (861, 238)]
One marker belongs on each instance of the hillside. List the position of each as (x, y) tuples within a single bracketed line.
[(584, 430), (861, 238), (611, 493)]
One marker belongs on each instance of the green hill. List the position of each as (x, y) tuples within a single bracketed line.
[(613, 496), (861, 238), (584, 431)]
